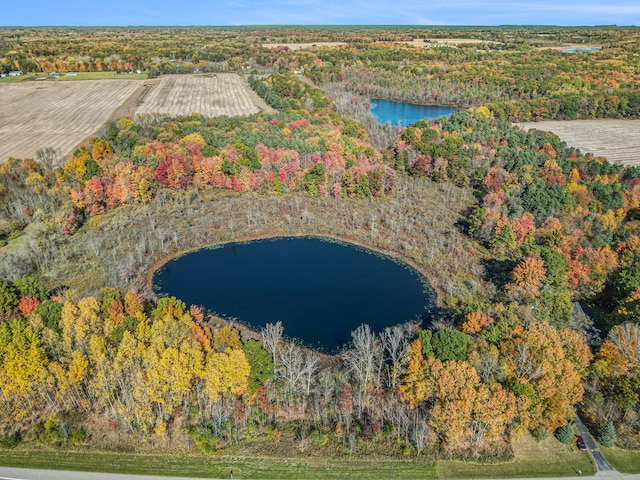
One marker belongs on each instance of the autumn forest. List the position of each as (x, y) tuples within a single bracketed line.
[(518, 233)]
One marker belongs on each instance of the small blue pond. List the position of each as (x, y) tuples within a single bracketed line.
[(405, 113), (320, 290)]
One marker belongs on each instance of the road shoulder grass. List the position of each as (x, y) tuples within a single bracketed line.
[(532, 459), (547, 458), (217, 466), (625, 461)]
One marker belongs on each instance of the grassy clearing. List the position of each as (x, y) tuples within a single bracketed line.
[(104, 76), (20, 78), (198, 466), (80, 76), (625, 461), (548, 458), (532, 459)]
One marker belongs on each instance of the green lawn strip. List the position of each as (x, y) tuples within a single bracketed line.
[(218, 466), (79, 76), (20, 78), (548, 458), (625, 461), (103, 76)]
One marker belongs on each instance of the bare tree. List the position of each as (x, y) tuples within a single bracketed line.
[(292, 370), (49, 158), (524, 363), (395, 341), (309, 369), (271, 337), (362, 360), (419, 433)]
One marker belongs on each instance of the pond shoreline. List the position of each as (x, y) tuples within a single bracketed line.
[(151, 270), (249, 330), (405, 113)]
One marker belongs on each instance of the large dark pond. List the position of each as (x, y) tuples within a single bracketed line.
[(405, 113), (320, 290)]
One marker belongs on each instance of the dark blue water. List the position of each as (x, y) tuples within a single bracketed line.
[(320, 290), (405, 113)]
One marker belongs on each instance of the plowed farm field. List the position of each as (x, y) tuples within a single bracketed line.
[(211, 95), (617, 140), (60, 115)]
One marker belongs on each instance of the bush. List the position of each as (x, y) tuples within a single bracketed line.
[(565, 434), (10, 440), (606, 435), (77, 436), (8, 298), (204, 438), (53, 433), (540, 433), (29, 286), (50, 312), (318, 439)]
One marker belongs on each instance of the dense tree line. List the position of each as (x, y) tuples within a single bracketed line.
[(74, 370), (560, 227)]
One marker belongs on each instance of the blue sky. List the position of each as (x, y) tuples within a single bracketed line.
[(262, 12)]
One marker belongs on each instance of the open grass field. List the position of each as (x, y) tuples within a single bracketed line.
[(625, 461), (60, 115), (80, 76), (211, 95), (618, 140), (102, 76), (217, 466), (532, 459), (548, 458)]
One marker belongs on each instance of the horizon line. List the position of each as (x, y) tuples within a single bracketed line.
[(320, 25)]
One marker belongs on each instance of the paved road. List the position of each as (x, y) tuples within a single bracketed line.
[(601, 463), (7, 473)]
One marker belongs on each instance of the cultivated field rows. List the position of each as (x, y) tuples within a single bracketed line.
[(211, 95), (57, 115), (617, 140), (35, 115)]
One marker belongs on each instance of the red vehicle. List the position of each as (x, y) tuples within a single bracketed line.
[(580, 443)]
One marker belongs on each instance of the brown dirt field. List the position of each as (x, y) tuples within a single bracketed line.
[(303, 46), (440, 42), (618, 140), (63, 115), (211, 95), (34, 115)]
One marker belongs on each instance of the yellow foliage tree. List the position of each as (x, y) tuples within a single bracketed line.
[(414, 389), (226, 373)]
